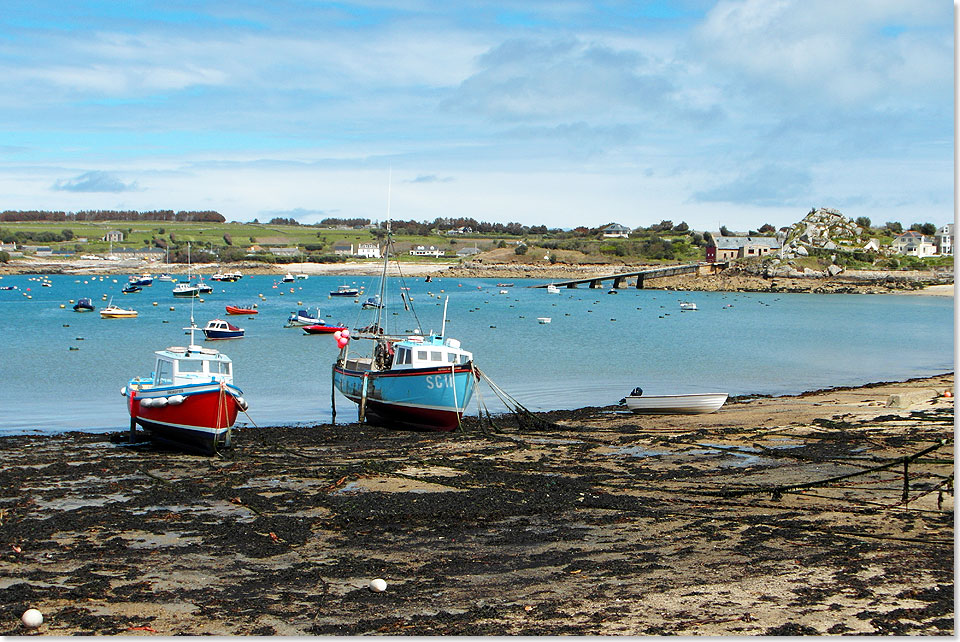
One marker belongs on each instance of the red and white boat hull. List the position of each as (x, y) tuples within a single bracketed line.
[(199, 415)]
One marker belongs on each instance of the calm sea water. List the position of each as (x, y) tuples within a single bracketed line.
[(596, 349)]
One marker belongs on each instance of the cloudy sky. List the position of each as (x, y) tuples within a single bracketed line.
[(562, 113)]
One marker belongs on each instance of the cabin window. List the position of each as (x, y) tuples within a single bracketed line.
[(451, 357), (436, 355), (191, 366), (422, 355), (164, 373), (403, 356), (219, 367), (464, 358)]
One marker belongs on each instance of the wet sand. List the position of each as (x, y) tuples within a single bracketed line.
[(589, 522)]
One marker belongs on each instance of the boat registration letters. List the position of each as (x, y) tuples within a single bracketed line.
[(440, 381)]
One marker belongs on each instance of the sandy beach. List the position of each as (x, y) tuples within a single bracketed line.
[(773, 516)]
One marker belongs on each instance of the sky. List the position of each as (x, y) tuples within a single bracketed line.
[(559, 113)]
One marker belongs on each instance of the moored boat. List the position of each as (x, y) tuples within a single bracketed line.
[(84, 305), (130, 288), (186, 290), (345, 290), (242, 309), (219, 329), (116, 312), (552, 289), (686, 306), (302, 317), (144, 280), (322, 328), (188, 400), (688, 404)]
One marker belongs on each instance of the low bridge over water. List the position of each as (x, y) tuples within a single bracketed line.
[(619, 279)]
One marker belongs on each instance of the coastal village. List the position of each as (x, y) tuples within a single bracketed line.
[(823, 252)]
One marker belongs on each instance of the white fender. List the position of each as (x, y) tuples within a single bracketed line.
[(123, 391), (175, 400), (160, 401), (146, 403), (242, 403)]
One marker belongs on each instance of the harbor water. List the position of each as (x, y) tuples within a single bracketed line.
[(61, 370)]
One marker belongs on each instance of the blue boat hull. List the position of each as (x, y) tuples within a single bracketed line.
[(422, 398)]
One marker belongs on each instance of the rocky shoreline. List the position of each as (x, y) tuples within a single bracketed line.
[(773, 516)]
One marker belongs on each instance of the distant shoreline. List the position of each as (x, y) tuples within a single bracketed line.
[(848, 282)]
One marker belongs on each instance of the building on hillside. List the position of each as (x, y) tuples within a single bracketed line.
[(468, 251), (115, 236), (460, 231), (914, 244), (726, 248), (369, 250), (8, 247), (285, 251), (944, 240), (343, 249), (616, 231), (422, 251)]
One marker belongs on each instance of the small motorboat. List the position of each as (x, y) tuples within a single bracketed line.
[(687, 306), (690, 404), (345, 290), (504, 285), (372, 303), (204, 288), (301, 318), (552, 289), (143, 280), (84, 305), (130, 288), (245, 309), (116, 312), (543, 320), (322, 328), (217, 329), (288, 278), (165, 277), (612, 292)]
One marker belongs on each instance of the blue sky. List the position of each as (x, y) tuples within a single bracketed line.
[(561, 113)]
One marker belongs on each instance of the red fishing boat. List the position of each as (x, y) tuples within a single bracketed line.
[(189, 399)]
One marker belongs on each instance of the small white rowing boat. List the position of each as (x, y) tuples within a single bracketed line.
[(692, 404)]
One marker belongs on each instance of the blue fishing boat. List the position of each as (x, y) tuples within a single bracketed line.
[(130, 288), (408, 380)]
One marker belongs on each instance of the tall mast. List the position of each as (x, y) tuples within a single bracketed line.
[(386, 258)]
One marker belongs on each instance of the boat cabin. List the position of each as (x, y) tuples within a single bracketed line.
[(184, 366), (417, 352)]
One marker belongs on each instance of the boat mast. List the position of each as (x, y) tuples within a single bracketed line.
[(381, 309), (443, 325)]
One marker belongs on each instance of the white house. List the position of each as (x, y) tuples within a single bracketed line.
[(616, 231), (944, 239), (115, 236), (914, 244), (368, 250), (422, 251), (343, 249)]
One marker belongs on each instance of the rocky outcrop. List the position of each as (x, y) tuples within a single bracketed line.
[(823, 228)]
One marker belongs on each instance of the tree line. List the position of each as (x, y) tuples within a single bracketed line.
[(11, 216)]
